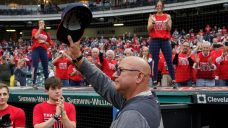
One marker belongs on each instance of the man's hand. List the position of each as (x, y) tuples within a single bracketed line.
[(209, 60), (74, 51), (41, 25), (60, 106), (197, 59), (178, 50), (189, 53), (224, 53), (168, 22), (152, 19)]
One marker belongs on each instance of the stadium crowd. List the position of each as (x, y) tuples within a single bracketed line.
[(54, 8), (199, 57)]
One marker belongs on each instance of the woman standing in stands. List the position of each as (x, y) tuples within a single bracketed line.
[(146, 56), (159, 26), (41, 41)]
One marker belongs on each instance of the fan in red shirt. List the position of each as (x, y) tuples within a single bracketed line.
[(61, 64), (41, 41), (159, 27), (222, 61), (95, 55), (216, 51), (55, 112), (166, 80), (16, 115), (205, 67), (184, 63), (224, 30), (75, 77), (108, 63), (207, 28)]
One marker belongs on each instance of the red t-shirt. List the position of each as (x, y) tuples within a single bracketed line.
[(183, 69), (204, 72), (224, 30), (49, 53), (214, 55), (17, 116), (159, 30), (108, 67), (162, 65), (223, 68), (76, 77), (61, 68), (43, 37), (207, 29), (43, 111)]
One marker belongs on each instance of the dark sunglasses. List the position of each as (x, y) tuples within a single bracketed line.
[(119, 70)]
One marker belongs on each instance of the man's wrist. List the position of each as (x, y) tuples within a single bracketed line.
[(64, 115), (78, 59)]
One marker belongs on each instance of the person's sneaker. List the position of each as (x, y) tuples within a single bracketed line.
[(173, 84), (35, 87), (155, 85)]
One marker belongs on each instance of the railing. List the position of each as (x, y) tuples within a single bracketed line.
[(55, 9), (104, 10)]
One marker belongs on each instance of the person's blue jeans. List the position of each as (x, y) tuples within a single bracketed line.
[(185, 83), (75, 83), (205, 82), (39, 54), (164, 44), (223, 82), (65, 82)]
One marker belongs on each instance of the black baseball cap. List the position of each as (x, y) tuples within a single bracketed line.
[(74, 19)]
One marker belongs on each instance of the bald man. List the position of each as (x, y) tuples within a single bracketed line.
[(129, 93)]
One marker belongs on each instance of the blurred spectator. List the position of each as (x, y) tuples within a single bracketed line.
[(145, 54), (75, 77), (216, 51), (207, 35), (222, 61), (20, 73), (205, 67), (128, 52), (95, 55), (6, 69), (108, 63), (61, 63), (183, 62), (224, 30)]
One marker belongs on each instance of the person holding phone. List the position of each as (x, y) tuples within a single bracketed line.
[(41, 41), (55, 112)]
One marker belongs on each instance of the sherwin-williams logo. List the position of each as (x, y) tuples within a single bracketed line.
[(201, 99)]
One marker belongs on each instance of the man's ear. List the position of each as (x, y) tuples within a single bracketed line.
[(140, 77)]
